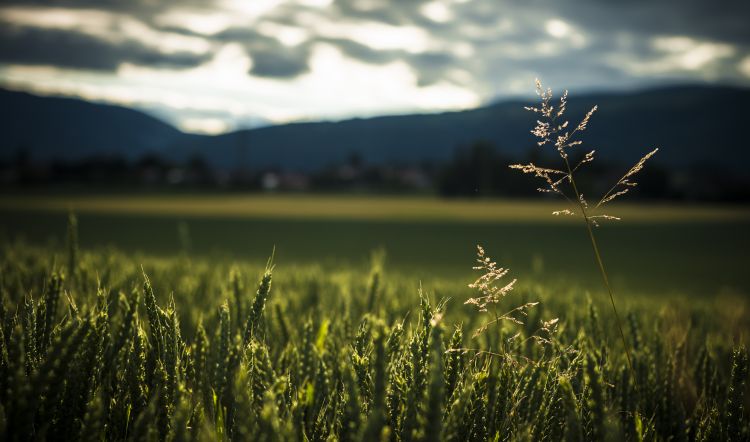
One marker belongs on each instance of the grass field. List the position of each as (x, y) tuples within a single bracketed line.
[(189, 348), (369, 208), (656, 249)]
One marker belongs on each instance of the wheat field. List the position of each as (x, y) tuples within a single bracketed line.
[(97, 345)]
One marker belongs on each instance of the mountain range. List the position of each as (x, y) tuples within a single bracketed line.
[(690, 124)]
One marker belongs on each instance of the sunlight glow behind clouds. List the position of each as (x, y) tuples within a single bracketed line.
[(557, 28), (437, 11), (379, 36), (690, 54), (562, 30), (389, 87), (250, 9), (204, 125), (200, 23), (335, 87), (744, 66), (287, 35)]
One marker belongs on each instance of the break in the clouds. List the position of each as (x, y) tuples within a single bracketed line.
[(213, 65)]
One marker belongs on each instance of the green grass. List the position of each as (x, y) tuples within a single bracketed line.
[(154, 323), (370, 208), (655, 250), (135, 347)]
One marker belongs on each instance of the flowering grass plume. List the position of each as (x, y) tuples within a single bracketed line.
[(492, 291), (485, 284), (552, 129)]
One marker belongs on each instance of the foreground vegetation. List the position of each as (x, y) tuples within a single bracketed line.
[(98, 345)]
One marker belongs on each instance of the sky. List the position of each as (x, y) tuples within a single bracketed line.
[(212, 66)]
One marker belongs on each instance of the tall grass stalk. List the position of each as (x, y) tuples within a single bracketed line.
[(553, 129), (600, 263)]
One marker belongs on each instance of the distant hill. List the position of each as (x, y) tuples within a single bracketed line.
[(691, 124), (66, 128)]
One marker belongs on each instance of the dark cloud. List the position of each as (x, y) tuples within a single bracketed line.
[(361, 52), (270, 57), (432, 67), (54, 47), (277, 64), (722, 21), (505, 36), (135, 8), (610, 27), (382, 11)]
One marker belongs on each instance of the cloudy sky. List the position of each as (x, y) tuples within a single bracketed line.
[(215, 65)]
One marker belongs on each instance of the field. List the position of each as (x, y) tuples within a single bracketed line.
[(157, 318), (656, 249)]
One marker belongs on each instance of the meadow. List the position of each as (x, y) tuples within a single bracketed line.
[(658, 249), (163, 320)]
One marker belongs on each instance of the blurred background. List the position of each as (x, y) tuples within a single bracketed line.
[(331, 128)]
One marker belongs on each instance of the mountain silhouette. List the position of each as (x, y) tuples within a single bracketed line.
[(69, 129), (690, 124)]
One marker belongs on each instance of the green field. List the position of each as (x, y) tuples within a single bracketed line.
[(654, 250), (159, 318)]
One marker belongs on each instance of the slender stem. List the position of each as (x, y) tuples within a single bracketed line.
[(601, 269), (601, 201)]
